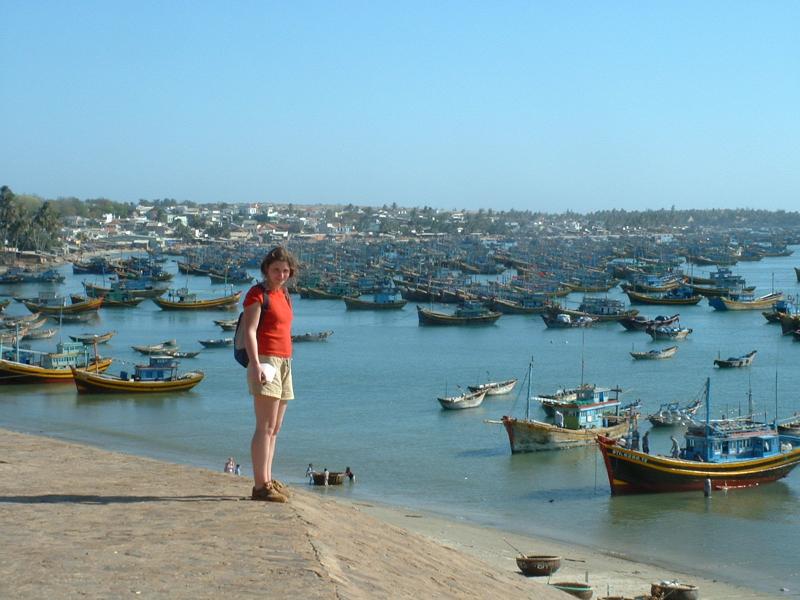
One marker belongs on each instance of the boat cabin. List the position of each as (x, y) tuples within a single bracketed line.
[(471, 309), (594, 305), (161, 368), (182, 295), (591, 408), (725, 441)]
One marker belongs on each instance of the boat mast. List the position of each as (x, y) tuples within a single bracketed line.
[(583, 338), (528, 399)]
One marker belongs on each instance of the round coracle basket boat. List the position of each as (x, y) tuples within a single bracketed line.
[(534, 565), (334, 478), (672, 590), (579, 590)]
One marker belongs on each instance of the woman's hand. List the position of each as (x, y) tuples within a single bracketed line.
[(255, 373)]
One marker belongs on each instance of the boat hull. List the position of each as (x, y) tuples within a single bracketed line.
[(535, 436), (224, 302), (427, 317), (470, 400), (12, 372), (633, 472), (357, 304)]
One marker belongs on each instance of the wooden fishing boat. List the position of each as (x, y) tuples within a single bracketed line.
[(780, 309), (598, 309), (74, 318), (114, 301), (156, 348), (594, 412), (465, 400), (181, 353), (134, 289), (671, 414), (565, 321), (469, 313), (677, 296), (789, 323), (227, 324), (63, 308), (641, 323), (217, 343), (535, 565), (524, 306), (312, 337), (12, 337), (235, 276), (23, 321), (579, 590), (657, 354), (745, 301), (123, 299), (93, 338), (385, 298), (735, 361), (494, 388), (182, 299), (160, 375), (730, 453), (22, 365), (39, 334), (673, 590), (663, 332)]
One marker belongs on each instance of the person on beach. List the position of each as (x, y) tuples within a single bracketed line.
[(268, 340), (238, 469), (325, 475), (310, 473), (229, 465), (350, 475)]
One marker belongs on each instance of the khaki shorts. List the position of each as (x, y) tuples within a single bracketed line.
[(281, 384)]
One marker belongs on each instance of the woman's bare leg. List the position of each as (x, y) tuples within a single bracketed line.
[(262, 445)]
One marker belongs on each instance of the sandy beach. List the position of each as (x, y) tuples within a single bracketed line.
[(77, 521)]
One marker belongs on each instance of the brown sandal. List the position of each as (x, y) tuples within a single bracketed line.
[(268, 494)]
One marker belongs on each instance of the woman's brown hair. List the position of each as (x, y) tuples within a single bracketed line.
[(277, 254)]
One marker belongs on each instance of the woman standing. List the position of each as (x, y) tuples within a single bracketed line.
[(268, 340)]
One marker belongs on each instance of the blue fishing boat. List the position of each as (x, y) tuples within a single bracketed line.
[(728, 453)]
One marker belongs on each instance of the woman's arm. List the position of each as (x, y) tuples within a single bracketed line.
[(252, 314)]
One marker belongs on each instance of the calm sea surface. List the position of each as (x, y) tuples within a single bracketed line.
[(366, 398)]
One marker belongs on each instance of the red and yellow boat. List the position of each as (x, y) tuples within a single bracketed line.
[(161, 375)]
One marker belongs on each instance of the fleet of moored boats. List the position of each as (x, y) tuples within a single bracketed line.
[(721, 453)]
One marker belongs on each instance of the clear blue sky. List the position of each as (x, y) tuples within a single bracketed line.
[(502, 104)]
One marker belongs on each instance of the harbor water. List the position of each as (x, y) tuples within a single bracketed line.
[(366, 398)]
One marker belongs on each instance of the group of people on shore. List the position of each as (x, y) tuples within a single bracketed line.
[(232, 467)]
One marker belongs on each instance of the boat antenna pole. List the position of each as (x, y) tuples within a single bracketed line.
[(583, 338), (708, 404), (776, 400), (528, 399)]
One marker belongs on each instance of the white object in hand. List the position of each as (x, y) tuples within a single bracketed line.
[(268, 372)]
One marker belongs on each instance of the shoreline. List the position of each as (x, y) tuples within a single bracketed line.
[(164, 517)]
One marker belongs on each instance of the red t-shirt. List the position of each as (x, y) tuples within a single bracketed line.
[(275, 334)]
